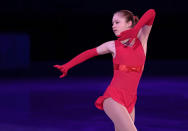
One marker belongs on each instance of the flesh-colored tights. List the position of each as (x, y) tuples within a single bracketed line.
[(119, 115)]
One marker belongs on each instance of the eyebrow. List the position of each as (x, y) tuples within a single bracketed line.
[(114, 20)]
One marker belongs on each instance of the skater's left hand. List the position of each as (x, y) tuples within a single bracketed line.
[(63, 69), (130, 35)]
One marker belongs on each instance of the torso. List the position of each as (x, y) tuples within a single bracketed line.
[(113, 49), (142, 36)]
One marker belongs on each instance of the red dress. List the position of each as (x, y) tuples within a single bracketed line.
[(123, 87)]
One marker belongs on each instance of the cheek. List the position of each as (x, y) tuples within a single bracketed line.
[(121, 26)]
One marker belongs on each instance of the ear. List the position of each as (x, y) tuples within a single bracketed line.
[(129, 23)]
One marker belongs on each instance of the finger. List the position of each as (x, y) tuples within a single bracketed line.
[(62, 75), (58, 66), (55, 66)]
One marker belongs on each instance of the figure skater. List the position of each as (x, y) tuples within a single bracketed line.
[(129, 55)]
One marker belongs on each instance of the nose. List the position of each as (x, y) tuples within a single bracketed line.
[(113, 26)]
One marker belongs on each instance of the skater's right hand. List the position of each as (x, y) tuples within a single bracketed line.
[(63, 69)]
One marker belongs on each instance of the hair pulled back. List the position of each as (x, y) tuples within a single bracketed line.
[(129, 16)]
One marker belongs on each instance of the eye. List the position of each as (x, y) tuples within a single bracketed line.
[(115, 22)]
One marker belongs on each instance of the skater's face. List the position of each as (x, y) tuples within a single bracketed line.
[(120, 24)]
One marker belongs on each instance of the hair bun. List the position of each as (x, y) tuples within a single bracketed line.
[(134, 17)]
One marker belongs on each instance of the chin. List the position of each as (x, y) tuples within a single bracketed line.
[(116, 34)]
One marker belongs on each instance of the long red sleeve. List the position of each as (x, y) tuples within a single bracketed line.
[(82, 57), (146, 19), (76, 60)]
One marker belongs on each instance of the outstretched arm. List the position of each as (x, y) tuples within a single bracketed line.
[(102, 49), (82, 57), (76, 60)]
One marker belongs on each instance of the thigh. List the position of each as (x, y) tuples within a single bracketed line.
[(116, 129), (133, 114), (119, 115)]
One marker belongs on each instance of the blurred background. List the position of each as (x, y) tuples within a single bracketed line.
[(37, 34)]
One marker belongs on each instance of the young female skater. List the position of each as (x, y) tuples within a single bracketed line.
[(129, 54)]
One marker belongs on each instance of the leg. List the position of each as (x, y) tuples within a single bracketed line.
[(133, 114), (116, 129), (120, 117)]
